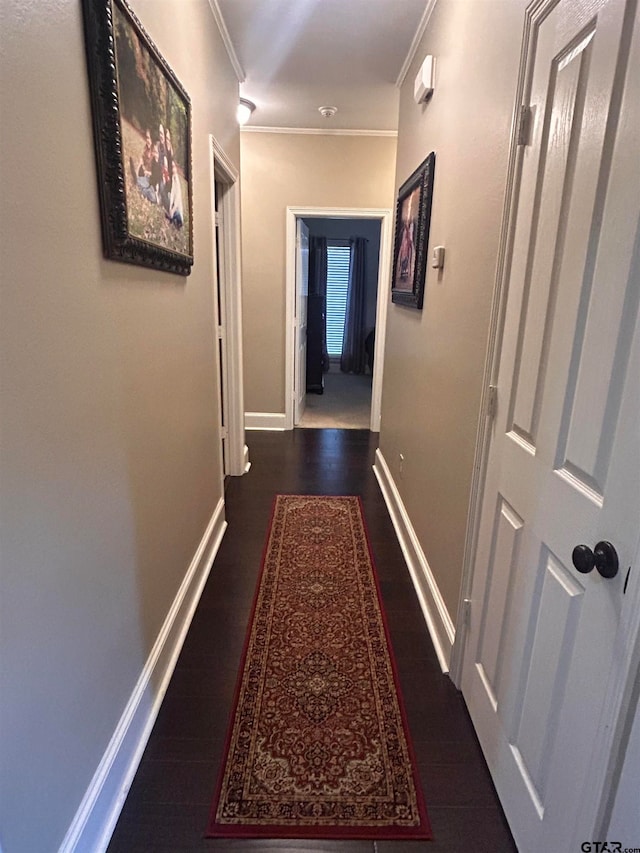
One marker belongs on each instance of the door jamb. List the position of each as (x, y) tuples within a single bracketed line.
[(384, 216), (484, 431), (224, 171)]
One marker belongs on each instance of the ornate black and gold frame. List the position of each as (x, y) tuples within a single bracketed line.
[(413, 218), (134, 90)]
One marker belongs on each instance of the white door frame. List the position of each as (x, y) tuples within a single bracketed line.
[(223, 171), (384, 216), (301, 309), (611, 741), (492, 361)]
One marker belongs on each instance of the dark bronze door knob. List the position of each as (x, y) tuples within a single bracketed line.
[(603, 557)]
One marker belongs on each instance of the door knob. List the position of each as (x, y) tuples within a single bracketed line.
[(603, 557)]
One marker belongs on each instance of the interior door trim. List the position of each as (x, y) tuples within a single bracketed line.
[(536, 10), (224, 171), (384, 216)]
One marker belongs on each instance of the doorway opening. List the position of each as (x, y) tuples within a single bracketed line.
[(342, 376), (339, 390)]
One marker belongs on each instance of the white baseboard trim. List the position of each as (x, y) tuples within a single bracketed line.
[(95, 820), (265, 420), (439, 623)]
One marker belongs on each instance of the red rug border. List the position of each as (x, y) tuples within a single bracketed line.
[(329, 833), (422, 807)]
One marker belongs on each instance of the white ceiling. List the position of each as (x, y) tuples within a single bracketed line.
[(298, 55)]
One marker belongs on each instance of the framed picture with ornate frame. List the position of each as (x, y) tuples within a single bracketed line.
[(413, 218), (142, 136)]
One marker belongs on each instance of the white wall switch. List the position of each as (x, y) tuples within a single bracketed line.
[(437, 259)]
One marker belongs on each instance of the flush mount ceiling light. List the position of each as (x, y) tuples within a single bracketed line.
[(327, 112), (245, 108)]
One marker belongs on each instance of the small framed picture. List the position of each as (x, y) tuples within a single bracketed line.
[(413, 218), (142, 134)]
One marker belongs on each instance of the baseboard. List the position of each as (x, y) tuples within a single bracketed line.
[(439, 622), (100, 808), (265, 420), (247, 461)]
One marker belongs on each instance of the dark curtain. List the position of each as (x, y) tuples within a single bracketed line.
[(353, 352), (318, 292)]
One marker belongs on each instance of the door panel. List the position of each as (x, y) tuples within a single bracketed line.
[(543, 638), (506, 541), (554, 617), (546, 234)]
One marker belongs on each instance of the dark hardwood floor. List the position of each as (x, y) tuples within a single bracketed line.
[(168, 805)]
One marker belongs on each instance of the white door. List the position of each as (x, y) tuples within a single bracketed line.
[(548, 645), (302, 299)]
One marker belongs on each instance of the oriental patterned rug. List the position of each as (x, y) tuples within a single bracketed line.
[(318, 746)]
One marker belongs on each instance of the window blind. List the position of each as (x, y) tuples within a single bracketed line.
[(338, 258)]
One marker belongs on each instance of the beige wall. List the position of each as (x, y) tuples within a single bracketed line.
[(109, 453), (280, 171), (434, 357)]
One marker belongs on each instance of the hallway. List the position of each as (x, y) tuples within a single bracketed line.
[(168, 804)]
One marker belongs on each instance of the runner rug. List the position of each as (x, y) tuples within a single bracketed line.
[(318, 746)]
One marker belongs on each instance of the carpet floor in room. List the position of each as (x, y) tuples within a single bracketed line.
[(168, 805), (344, 404)]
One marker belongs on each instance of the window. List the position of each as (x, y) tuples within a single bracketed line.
[(338, 257)]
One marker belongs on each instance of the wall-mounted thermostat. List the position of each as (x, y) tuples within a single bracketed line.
[(423, 87)]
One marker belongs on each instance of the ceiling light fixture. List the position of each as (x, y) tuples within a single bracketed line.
[(245, 108), (327, 112)]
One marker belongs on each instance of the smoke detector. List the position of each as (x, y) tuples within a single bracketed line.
[(327, 112)]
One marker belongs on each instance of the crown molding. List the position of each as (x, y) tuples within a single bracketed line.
[(226, 38), (422, 26), (318, 131)]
